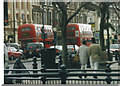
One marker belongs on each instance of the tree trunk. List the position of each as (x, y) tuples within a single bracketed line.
[(64, 41), (102, 29)]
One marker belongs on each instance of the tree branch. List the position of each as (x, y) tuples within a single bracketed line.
[(68, 3), (116, 12), (62, 6), (116, 7), (77, 11)]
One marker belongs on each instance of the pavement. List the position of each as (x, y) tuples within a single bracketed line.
[(113, 64), (24, 60)]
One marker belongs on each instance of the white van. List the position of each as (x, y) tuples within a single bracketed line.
[(16, 45), (5, 57)]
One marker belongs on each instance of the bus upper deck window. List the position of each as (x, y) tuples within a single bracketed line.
[(25, 29)]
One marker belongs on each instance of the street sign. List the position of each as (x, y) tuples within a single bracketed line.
[(92, 24), (5, 13), (96, 35)]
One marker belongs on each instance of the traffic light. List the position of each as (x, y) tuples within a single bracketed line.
[(5, 13), (42, 30), (115, 36)]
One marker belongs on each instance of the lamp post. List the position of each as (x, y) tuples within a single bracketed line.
[(13, 23), (43, 25), (108, 43)]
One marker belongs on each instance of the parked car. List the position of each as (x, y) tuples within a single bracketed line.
[(33, 49), (115, 48), (70, 48), (58, 49), (13, 53), (15, 45)]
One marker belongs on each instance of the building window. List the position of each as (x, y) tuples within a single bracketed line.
[(45, 17), (85, 19), (49, 3), (22, 4), (28, 5), (77, 19), (28, 17), (80, 19), (17, 5), (50, 15), (23, 16), (17, 16), (37, 18)]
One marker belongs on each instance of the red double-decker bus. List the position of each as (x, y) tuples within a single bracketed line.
[(32, 33), (76, 33)]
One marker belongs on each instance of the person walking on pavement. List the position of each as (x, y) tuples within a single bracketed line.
[(83, 55), (94, 51)]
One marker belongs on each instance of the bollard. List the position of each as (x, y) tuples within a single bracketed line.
[(34, 64), (60, 60), (63, 74), (43, 69), (69, 60), (116, 55), (108, 70), (119, 60), (43, 79), (108, 79)]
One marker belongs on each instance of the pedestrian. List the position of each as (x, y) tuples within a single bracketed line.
[(83, 55), (94, 51)]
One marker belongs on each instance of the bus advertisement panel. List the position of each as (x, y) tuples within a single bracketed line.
[(76, 33), (32, 33)]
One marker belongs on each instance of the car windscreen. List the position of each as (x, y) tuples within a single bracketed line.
[(114, 46), (15, 46), (57, 47), (70, 46), (13, 49), (34, 46)]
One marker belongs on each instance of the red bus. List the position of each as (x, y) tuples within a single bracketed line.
[(32, 33), (76, 33)]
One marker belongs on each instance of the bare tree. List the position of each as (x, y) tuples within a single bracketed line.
[(102, 8), (64, 21)]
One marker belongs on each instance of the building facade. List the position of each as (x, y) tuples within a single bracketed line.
[(32, 12), (22, 12)]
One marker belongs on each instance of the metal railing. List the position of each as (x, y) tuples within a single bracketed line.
[(62, 76)]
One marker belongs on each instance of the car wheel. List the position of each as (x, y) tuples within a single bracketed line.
[(40, 55), (9, 58), (12, 58), (23, 56), (20, 57)]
